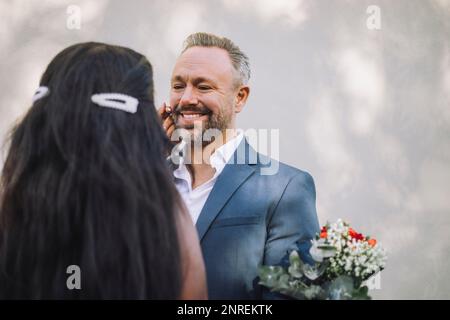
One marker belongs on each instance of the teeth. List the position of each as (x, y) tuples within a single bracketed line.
[(191, 116)]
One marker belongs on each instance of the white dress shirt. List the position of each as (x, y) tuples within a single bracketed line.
[(195, 198)]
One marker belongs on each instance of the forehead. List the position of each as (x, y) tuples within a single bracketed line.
[(200, 62)]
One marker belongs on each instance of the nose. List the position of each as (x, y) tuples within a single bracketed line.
[(189, 97)]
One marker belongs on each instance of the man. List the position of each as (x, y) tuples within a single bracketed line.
[(244, 218)]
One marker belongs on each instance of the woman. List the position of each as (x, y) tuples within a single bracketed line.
[(85, 184)]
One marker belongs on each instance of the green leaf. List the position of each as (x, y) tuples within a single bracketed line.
[(271, 276), (312, 272), (327, 247), (341, 288), (313, 292), (361, 293), (296, 265)]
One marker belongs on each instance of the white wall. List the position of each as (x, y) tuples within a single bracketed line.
[(366, 112)]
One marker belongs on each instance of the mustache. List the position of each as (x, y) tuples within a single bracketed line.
[(203, 110)]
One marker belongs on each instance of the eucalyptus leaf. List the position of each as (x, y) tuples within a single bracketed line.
[(362, 293), (341, 288), (296, 265)]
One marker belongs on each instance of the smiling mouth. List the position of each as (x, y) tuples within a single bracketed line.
[(193, 115)]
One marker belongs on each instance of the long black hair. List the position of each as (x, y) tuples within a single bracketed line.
[(88, 186)]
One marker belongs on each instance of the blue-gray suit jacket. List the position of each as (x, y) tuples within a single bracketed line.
[(251, 219)]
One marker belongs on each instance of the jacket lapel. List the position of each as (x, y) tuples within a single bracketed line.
[(232, 176)]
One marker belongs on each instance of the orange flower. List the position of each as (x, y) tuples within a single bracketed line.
[(372, 242), (323, 232)]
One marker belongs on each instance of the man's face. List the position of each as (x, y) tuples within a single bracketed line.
[(203, 90)]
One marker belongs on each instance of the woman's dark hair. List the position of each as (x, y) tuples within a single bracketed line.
[(89, 186)]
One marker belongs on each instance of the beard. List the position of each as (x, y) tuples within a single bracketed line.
[(219, 121)]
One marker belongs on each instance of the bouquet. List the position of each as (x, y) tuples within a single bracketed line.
[(343, 260)]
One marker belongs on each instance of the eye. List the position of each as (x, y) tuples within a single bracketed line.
[(177, 86), (204, 87)]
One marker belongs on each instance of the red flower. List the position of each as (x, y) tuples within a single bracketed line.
[(355, 235)]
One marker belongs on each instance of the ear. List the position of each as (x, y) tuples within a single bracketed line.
[(241, 97)]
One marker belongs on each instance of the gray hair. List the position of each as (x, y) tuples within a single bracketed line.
[(238, 58)]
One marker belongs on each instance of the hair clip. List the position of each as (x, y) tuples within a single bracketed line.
[(116, 101), (41, 92)]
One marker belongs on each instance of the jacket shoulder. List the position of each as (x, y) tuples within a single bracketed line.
[(284, 170)]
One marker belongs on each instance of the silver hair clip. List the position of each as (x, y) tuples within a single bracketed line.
[(118, 101), (41, 92)]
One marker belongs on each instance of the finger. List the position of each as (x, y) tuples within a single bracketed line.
[(162, 111), (170, 130), (167, 123)]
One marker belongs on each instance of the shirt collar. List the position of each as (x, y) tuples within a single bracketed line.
[(218, 159), (222, 155)]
